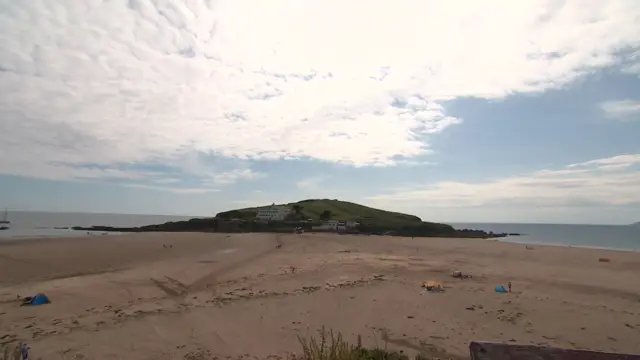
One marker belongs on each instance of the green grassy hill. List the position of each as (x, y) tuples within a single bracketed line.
[(340, 210), (371, 220)]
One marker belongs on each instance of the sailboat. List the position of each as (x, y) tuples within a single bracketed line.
[(5, 224)]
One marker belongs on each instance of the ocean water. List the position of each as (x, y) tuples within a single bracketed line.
[(26, 224), (618, 237)]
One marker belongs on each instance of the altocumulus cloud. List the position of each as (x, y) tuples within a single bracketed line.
[(624, 110), (91, 87), (608, 181)]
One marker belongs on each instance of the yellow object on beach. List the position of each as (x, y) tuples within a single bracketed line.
[(431, 285)]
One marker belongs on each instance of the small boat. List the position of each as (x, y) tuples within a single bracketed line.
[(5, 224)]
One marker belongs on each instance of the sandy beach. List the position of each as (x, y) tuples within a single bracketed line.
[(201, 296)]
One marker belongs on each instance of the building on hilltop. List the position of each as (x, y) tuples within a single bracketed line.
[(273, 212)]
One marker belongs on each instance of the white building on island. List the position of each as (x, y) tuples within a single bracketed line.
[(327, 225), (273, 212), (337, 225)]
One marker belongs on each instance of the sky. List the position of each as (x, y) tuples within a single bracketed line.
[(455, 111)]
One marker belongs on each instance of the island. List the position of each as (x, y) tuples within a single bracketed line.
[(635, 224), (312, 215)]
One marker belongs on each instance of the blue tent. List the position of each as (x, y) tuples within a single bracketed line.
[(501, 289), (39, 299)]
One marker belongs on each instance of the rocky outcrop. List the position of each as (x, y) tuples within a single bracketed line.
[(196, 224)]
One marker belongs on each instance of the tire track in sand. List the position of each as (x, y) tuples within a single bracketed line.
[(175, 288)]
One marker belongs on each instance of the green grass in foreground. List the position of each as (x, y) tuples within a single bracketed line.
[(331, 346), (327, 346), (10, 351)]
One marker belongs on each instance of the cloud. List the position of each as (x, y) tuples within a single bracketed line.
[(119, 82), (608, 181), (210, 170), (206, 180), (632, 62), (166, 181), (622, 109), (311, 184), (235, 175), (175, 190), (320, 187), (611, 163)]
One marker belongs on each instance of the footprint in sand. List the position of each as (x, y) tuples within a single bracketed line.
[(228, 251)]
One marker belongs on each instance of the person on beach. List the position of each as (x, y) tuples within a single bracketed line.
[(24, 350)]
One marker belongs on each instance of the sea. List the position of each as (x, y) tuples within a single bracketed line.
[(28, 224), (616, 237), (53, 224)]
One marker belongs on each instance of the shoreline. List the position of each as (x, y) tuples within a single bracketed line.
[(82, 234), (70, 234), (537, 243)]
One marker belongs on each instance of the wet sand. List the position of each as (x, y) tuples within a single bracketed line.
[(200, 296)]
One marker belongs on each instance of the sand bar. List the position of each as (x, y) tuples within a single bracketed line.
[(188, 296)]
